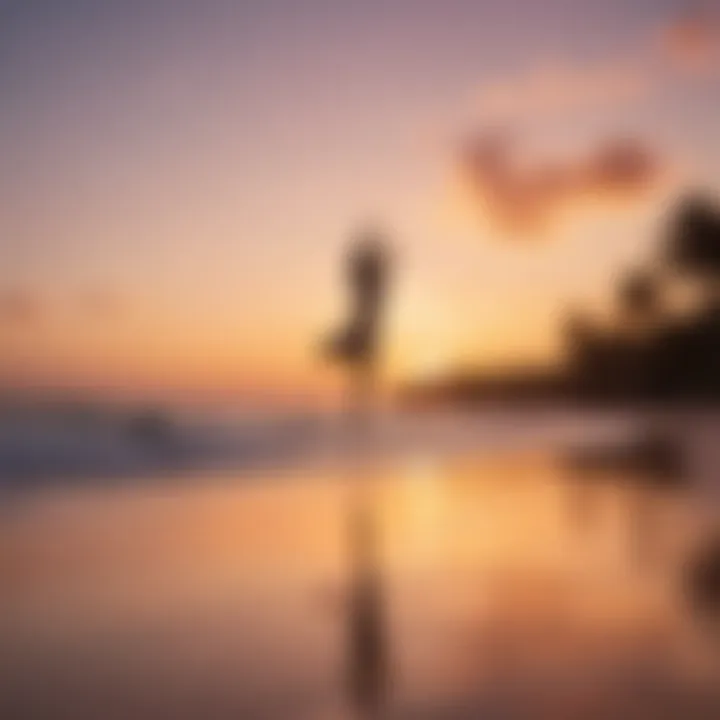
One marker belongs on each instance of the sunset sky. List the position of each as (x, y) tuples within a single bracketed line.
[(181, 178)]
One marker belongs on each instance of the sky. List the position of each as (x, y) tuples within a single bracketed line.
[(182, 179)]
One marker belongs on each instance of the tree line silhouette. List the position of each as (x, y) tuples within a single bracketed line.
[(662, 345)]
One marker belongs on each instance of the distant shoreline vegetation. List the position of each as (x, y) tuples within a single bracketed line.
[(661, 347)]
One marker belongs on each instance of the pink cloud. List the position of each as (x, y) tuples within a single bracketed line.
[(692, 42), (19, 308), (562, 87), (528, 198), (687, 45)]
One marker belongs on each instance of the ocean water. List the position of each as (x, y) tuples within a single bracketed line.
[(59, 446), (510, 583)]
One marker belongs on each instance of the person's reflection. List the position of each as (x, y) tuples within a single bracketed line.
[(367, 651), (646, 474), (658, 477), (701, 585)]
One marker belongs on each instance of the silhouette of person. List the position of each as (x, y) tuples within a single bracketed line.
[(367, 651), (355, 344)]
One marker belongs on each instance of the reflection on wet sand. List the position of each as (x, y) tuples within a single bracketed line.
[(367, 652), (508, 585)]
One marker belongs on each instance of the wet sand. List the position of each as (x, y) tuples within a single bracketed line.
[(511, 588)]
